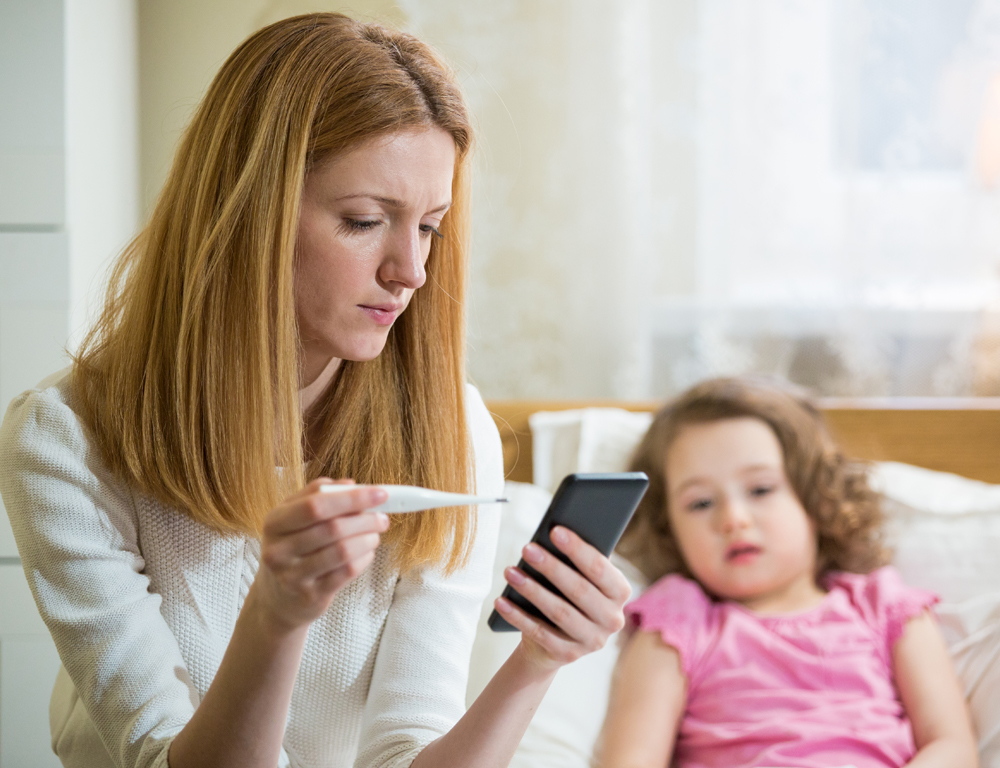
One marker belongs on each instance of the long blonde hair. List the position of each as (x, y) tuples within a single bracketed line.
[(188, 382)]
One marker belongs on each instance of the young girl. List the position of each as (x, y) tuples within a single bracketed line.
[(771, 636)]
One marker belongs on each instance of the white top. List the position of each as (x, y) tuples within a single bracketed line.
[(141, 602)]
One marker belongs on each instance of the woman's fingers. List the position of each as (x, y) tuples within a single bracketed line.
[(313, 544), (564, 615), (592, 564), (343, 553), (332, 581), (304, 511), (555, 644), (314, 487), (591, 611), (308, 540), (599, 591)]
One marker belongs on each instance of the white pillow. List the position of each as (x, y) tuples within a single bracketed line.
[(585, 440), (563, 731), (945, 530)]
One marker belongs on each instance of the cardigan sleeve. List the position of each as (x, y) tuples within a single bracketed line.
[(421, 671), (77, 533)]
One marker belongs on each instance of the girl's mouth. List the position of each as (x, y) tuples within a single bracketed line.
[(742, 553)]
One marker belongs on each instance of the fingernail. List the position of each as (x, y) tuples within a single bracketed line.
[(559, 536), (383, 520), (533, 554), (502, 605), (514, 576), (379, 495)]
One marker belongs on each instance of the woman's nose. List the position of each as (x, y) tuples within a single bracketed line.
[(404, 262)]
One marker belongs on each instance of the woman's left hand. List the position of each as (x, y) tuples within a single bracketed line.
[(596, 594)]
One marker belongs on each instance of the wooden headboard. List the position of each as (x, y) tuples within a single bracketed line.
[(960, 435)]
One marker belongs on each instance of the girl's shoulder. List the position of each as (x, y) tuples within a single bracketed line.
[(882, 599), (670, 597), (678, 610)]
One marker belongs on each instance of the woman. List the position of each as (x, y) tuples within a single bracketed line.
[(209, 604)]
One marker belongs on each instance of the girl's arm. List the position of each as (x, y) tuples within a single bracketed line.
[(648, 696), (932, 698)]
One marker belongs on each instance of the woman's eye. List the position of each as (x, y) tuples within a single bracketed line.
[(699, 505), (361, 225), (426, 230), (761, 490)]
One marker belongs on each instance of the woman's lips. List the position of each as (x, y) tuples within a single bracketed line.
[(382, 315), (740, 554)]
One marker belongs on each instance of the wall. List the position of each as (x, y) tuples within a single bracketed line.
[(102, 146), (578, 221)]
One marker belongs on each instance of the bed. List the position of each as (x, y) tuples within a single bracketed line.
[(936, 462), (959, 435)]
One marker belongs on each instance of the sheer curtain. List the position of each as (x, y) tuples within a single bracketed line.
[(669, 190), (849, 234)]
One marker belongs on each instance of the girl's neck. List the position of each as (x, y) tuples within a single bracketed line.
[(799, 595)]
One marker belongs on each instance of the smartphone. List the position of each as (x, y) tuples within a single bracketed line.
[(595, 506)]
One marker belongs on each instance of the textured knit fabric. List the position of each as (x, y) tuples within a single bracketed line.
[(810, 689), (141, 602)]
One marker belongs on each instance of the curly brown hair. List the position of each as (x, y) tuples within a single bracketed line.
[(832, 488)]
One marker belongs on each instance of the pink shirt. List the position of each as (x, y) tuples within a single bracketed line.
[(810, 690)]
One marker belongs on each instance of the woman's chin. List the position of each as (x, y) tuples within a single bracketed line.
[(362, 352)]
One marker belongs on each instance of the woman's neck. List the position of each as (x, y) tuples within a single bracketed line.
[(316, 381)]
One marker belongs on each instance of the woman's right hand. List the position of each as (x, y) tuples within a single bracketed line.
[(314, 544)]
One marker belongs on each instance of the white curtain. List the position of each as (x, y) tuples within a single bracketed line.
[(671, 189)]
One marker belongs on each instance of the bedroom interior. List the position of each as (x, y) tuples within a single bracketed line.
[(665, 191)]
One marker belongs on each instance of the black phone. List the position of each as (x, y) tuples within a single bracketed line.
[(596, 506)]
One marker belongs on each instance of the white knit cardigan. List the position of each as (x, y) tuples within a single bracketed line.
[(141, 602)]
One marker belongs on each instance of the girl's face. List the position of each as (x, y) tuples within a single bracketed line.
[(740, 526), (365, 230)]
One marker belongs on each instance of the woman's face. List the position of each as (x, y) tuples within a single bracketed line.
[(740, 526), (364, 235)]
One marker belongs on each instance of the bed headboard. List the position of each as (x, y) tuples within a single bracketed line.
[(960, 435)]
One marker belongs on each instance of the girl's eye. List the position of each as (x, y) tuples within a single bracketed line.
[(761, 490), (699, 505), (361, 225), (426, 230)]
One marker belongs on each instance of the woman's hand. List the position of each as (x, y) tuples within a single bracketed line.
[(582, 625), (314, 544)]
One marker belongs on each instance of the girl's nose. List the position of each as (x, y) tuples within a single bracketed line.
[(733, 515), (405, 259)]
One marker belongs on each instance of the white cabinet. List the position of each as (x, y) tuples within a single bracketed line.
[(32, 113), (68, 200), (34, 325), (28, 667)]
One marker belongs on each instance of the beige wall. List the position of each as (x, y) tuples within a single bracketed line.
[(182, 44), (584, 194)]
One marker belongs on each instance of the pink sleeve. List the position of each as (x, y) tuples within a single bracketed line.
[(885, 602), (679, 610)]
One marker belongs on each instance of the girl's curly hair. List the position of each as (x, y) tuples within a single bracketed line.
[(832, 488)]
